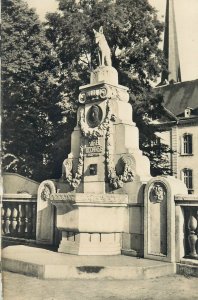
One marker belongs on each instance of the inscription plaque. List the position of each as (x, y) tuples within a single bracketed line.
[(93, 148)]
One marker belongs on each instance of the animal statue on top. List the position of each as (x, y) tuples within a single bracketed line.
[(104, 50)]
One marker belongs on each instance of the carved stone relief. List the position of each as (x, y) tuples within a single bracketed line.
[(46, 188), (94, 116), (157, 192)]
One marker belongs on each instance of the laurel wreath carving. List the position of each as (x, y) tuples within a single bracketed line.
[(74, 181), (116, 180), (105, 128), (99, 131)]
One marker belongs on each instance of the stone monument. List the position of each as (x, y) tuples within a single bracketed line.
[(99, 203)]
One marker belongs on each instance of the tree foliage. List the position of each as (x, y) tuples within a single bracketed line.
[(133, 33), (43, 69), (30, 90)]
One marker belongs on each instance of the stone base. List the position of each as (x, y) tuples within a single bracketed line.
[(187, 267), (90, 243), (45, 264)]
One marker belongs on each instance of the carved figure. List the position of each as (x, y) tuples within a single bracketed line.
[(45, 194), (94, 116), (66, 168), (104, 50), (157, 193)]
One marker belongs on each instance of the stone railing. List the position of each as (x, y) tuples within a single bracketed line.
[(187, 226), (191, 219), (18, 216)]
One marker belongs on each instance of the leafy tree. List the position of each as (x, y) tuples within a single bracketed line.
[(31, 93), (147, 116), (133, 34)]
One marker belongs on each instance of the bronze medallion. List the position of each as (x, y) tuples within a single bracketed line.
[(94, 116)]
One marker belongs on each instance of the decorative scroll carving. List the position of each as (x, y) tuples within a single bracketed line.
[(102, 93), (157, 193), (98, 93)]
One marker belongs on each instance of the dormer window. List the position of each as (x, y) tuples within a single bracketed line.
[(187, 112), (186, 144)]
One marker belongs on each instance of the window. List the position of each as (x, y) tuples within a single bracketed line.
[(187, 175), (187, 144)]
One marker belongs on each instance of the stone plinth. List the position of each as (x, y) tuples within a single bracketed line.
[(91, 223), (45, 214), (108, 74)]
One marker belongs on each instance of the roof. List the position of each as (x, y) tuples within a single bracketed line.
[(179, 96)]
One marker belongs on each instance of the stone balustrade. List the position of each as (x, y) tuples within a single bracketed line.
[(18, 216), (187, 226), (191, 224)]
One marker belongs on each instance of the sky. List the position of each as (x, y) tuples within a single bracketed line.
[(186, 15)]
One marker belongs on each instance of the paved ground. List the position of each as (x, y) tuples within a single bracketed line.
[(20, 287)]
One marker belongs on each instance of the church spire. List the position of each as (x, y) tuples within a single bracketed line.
[(170, 50)]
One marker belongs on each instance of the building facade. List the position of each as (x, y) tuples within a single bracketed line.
[(178, 127), (179, 130)]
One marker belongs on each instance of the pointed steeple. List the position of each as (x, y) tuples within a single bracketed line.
[(170, 50)]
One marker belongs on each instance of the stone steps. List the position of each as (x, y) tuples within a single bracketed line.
[(187, 267), (46, 264)]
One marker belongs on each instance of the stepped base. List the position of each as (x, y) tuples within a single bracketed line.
[(90, 243), (187, 267), (46, 264)]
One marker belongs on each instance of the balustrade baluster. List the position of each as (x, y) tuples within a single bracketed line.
[(33, 219), (2, 220), (7, 220), (28, 220), (192, 237), (18, 219), (21, 220), (196, 246), (13, 227)]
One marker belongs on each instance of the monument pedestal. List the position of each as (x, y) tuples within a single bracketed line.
[(91, 224), (99, 207)]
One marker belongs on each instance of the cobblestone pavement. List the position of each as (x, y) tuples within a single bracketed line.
[(20, 287)]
